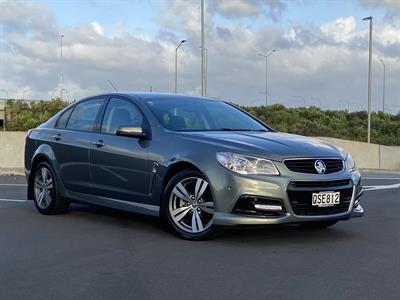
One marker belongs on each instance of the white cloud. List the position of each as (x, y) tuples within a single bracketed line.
[(245, 8), (97, 27), (341, 30), (327, 62), (392, 8), (238, 8), (389, 35)]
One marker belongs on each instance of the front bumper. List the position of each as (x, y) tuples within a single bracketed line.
[(229, 219), (229, 187)]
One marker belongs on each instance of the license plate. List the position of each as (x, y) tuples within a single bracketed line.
[(325, 199)]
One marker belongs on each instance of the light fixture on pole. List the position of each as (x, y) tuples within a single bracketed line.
[(176, 65), (384, 83), (369, 76), (266, 73)]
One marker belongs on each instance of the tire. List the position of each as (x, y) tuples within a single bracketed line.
[(318, 224), (189, 217), (45, 191)]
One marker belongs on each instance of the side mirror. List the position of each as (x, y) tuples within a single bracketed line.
[(131, 131)]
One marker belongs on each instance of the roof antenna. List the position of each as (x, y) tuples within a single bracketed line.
[(113, 86)]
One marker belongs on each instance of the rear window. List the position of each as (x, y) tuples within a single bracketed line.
[(63, 119)]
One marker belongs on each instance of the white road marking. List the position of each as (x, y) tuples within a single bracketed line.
[(381, 187), (13, 184), (13, 200), (381, 178)]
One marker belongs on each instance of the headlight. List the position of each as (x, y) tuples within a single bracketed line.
[(350, 163), (244, 164)]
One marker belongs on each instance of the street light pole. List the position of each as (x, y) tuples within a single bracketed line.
[(203, 45), (266, 73), (176, 65), (369, 76), (61, 64), (205, 71), (384, 79)]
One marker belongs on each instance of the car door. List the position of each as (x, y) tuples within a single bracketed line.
[(119, 163), (72, 142)]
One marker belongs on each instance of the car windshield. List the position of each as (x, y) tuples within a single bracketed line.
[(202, 115)]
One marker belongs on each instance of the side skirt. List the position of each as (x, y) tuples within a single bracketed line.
[(135, 207)]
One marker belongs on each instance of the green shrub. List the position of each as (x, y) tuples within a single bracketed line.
[(22, 116), (312, 121)]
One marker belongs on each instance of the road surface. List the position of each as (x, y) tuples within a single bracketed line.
[(98, 253)]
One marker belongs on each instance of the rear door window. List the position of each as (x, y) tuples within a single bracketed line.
[(84, 115)]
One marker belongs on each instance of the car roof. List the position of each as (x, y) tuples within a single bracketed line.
[(153, 96)]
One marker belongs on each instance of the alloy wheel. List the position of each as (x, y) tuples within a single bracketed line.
[(44, 187), (191, 206)]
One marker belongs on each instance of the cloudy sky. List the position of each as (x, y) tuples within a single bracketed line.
[(321, 49)]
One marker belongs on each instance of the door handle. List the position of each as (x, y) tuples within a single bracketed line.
[(57, 137), (99, 143)]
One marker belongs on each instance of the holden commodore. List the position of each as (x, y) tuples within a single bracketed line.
[(199, 163)]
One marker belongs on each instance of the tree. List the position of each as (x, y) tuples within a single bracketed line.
[(23, 115)]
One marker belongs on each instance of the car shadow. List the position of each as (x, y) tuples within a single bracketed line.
[(273, 234), (113, 217), (288, 234)]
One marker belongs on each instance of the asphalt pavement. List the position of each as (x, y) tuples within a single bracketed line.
[(99, 253)]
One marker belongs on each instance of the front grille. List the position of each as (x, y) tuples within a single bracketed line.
[(300, 196), (333, 165), (245, 206)]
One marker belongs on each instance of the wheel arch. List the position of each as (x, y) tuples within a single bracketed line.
[(40, 156), (175, 168)]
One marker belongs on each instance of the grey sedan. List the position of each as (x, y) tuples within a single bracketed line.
[(199, 163)]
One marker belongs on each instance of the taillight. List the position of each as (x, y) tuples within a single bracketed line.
[(27, 135)]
